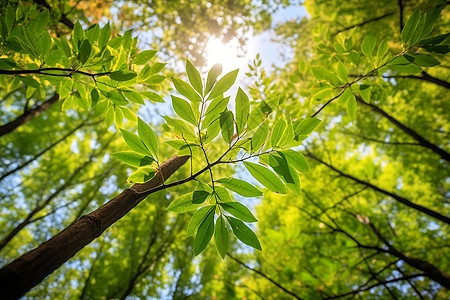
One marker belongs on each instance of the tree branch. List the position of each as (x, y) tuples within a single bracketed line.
[(364, 23), (396, 197), (25, 272), (422, 141), (27, 116), (265, 276)]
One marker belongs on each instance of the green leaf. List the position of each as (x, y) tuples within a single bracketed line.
[(242, 110), (118, 117), (153, 97), (430, 19), (94, 96), (296, 159), (260, 136), (128, 114), (342, 72), (183, 204), (133, 159), (141, 175), (194, 77), (215, 71), (286, 172), (105, 35), (117, 98), (143, 57), (221, 238), (183, 109), (84, 52), (368, 45), (134, 142), (134, 96), (266, 177), (186, 90), (351, 108), (38, 24), (148, 137), (10, 18), (306, 126), (277, 132), (68, 104), (30, 81), (212, 131), (122, 75), (288, 134), (423, 60), (109, 116), (223, 194), (257, 115), (227, 126), (382, 48), (410, 27), (244, 233), (239, 210), (241, 187), (215, 108), (223, 84), (197, 218), (198, 197), (433, 41), (77, 34), (204, 233)]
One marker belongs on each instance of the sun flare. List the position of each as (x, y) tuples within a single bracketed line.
[(226, 54)]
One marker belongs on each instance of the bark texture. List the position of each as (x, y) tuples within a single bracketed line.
[(19, 276)]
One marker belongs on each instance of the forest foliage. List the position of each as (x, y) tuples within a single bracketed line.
[(343, 150)]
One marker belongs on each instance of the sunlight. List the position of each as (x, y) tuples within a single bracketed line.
[(226, 54)]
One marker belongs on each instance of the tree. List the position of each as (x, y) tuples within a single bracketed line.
[(264, 129)]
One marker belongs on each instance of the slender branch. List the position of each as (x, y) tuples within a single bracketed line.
[(265, 276), (401, 4), (364, 23), (409, 131), (424, 76), (357, 291), (44, 71), (363, 137), (396, 197), (63, 19), (39, 154), (27, 116), (430, 270)]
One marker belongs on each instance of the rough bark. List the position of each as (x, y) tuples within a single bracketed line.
[(27, 116), (19, 276)]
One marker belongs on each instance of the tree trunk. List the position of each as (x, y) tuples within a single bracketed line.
[(27, 116), (19, 276)]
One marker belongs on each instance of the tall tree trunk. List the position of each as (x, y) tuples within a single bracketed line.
[(27, 116), (19, 276)]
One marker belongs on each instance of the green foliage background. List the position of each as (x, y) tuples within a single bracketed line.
[(363, 215)]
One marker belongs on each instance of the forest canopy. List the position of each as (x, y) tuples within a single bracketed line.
[(168, 150)]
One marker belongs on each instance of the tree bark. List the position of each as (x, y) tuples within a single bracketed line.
[(27, 116), (19, 276), (420, 139)]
